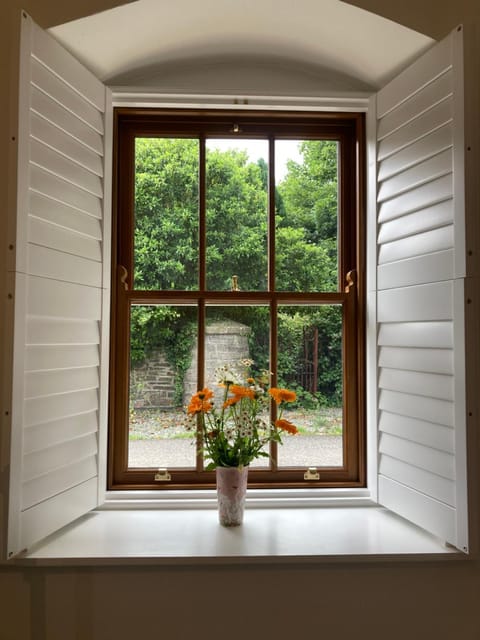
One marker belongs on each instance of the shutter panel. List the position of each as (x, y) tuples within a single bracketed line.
[(420, 294), (61, 291)]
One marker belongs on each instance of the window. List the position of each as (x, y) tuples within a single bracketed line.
[(238, 235)]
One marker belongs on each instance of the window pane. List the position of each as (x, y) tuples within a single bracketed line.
[(310, 362), (233, 334), (166, 214), (162, 352), (306, 201), (236, 201)]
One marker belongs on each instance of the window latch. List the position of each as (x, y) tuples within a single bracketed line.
[(351, 279), (162, 475), (123, 274), (311, 474)]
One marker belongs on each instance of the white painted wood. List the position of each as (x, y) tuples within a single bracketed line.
[(54, 187), (422, 72), (426, 147), (63, 299), (50, 515), (63, 216), (42, 105), (434, 167), (419, 221), (436, 117), (58, 431), (418, 455), (432, 385), (434, 515), (58, 456), (410, 304), (64, 95), (42, 358), (430, 95), (416, 334), (429, 483), (55, 237), (65, 66), (50, 160), (418, 245), (417, 359), (47, 133), (60, 292), (461, 460), (130, 537), (66, 267), (48, 383), (60, 331), (459, 155), (46, 409), (433, 267), (50, 484), (50, 263), (427, 433), (407, 404), (105, 324), (424, 196)]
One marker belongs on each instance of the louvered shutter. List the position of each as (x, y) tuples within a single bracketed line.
[(61, 291), (420, 293)]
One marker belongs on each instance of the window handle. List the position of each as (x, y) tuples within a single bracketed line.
[(123, 276), (351, 279)]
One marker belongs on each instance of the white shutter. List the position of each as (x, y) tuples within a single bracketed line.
[(420, 299), (61, 291)]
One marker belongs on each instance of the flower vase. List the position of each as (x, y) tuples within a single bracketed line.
[(231, 490)]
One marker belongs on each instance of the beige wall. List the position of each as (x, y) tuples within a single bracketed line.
[(387, 601)]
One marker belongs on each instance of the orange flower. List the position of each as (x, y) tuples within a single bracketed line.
[(287, 426), (200, 402), (242, 392), (230, 401), (282, 395)]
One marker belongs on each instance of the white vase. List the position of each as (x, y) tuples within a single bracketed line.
[(231, 491)]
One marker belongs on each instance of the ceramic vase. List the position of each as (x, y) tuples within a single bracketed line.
[(231, 491)]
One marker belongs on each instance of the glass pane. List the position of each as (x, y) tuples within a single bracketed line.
[(306, 202), (310, 362), (166, 214), (162, 354), (236, 201), (233, 335)]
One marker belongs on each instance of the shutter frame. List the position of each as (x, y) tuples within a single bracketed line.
[(421, 283), (51, 280)]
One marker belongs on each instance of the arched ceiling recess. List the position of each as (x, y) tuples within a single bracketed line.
[(240, 46)]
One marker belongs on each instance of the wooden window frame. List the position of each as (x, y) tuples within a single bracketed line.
[(347, 128)]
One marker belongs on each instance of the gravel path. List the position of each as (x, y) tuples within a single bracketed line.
[(303, 451)]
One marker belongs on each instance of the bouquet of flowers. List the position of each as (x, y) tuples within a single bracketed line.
[(236, 432)]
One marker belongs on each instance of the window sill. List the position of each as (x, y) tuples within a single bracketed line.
[(180, 536)]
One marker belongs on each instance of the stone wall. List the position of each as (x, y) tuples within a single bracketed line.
[(152, 384)]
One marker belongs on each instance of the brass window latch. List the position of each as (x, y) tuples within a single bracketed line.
[(235, 286), (162, 475), (311, 474)]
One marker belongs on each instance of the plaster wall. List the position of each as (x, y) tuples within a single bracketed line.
[(372, 600)]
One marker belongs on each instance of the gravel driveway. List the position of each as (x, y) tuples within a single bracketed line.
[(303, 451)]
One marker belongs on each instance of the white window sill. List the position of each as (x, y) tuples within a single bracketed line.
[(268, 535)]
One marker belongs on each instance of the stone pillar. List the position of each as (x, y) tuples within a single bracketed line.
[(226, 343)]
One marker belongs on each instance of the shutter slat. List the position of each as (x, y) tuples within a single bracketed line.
[(432, 484), (43, 358), (432, 385), (63, 216), (417, 359), (410, 304), (47, 409), (63, 299), (47, 383), (417, 245), (55, 331), (55, 264), (427, 433), (422, 220), (434, 267), (48, 434), (420, 198), (55, 237), (417, 334), (407, 404)]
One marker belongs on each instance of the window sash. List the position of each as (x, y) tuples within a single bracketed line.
[(345, 128)]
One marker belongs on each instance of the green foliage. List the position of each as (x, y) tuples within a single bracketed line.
[(166, 252)]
